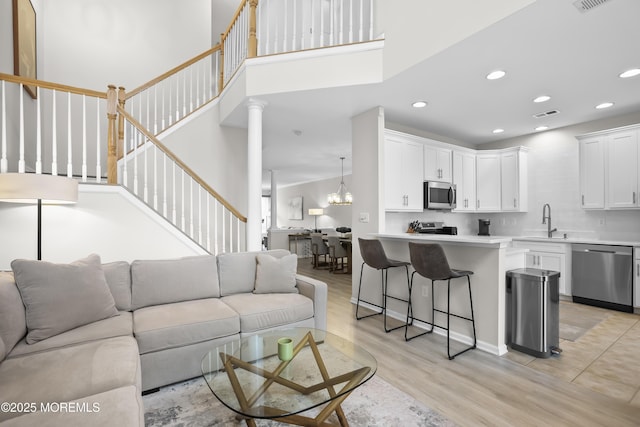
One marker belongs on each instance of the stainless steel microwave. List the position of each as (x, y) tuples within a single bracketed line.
[(439, 195)]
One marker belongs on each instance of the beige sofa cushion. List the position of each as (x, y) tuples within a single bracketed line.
[(118, 276), (237, 270), (168, 326), (263, 311), (70, 373), (60, 297), (122, 407), (167, 281), (13, 325), (276, 275), (116, 326)]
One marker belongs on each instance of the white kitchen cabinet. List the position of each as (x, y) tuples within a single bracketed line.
[(437, 164), (592, 170), (550, 256), (488, 182), (623, 170), (513, 178), (464, 177), (403, 172)]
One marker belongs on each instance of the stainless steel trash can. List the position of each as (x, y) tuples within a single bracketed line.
[(533, 311)]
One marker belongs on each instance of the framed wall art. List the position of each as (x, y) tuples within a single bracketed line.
[(24, 42), (295, 207)]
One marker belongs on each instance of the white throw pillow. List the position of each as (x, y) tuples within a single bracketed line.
[(276, 275), (60, 297)]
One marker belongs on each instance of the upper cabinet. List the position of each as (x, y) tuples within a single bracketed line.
[(437, 163), (403, 173), (609, 163), (464, 178), (513, 178), (488, 182)]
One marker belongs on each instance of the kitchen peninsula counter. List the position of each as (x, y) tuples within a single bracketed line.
[(489, 257)]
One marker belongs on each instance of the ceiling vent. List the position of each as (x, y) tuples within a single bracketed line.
[(546, 114), (586, 5)]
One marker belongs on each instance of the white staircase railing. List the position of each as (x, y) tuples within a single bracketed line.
[(154, 174)]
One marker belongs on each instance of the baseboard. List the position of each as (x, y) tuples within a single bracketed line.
[(456, 336)]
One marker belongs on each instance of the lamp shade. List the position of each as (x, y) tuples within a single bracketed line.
[(316, 212), (31, 187)]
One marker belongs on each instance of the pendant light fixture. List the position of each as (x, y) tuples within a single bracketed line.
[(342, 196)]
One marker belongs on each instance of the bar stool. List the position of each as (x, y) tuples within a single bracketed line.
[(374, 256), (430, 261)]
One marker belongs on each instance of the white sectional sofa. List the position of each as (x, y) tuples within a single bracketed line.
[(80, 342)]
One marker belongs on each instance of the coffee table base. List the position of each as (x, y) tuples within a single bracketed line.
[(328, 383)]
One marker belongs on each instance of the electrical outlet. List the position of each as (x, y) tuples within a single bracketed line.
[(364, 217), (425, 291)]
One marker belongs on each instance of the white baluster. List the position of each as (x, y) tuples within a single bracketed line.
[(21, 163), (125, 168), (69, 141), (208, 223), (38, 133), (147, 123), (285, 25), (164, 185), (294, 33), (197, 65), (174, 214), (230, 232), (155, 177), (84, 138), (332, 11), (4, 164), (134, 140), (215, 227), (191, 208), (370, 19), (182, 222), (145, 177), (184, 94), (170, 79), (341, 22), (224, 229), (54, 136), (361, 33), (350, 21), (199, 214), (163, 123), (276, 34), (321, 11), (155, 109), (190, 88), (98, 165)]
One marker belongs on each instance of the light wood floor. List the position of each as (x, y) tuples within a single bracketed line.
[(476, 388)]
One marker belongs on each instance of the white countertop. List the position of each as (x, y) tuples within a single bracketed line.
[(496, 241), (484, 241)]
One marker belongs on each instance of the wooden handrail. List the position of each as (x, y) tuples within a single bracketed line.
[(49, 85), (180, 163), (224, 35), (172, 71)]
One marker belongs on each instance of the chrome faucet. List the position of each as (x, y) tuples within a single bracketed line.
[(546, 216)]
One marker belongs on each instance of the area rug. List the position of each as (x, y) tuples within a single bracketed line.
[(375, 403)]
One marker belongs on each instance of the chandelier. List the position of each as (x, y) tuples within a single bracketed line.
[(342, 196)]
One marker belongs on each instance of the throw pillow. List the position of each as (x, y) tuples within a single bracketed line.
[(60, 297), (276, 275)]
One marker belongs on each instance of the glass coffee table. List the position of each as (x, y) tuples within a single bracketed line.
[(317, 375)]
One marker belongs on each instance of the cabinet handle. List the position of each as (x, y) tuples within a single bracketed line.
[(638, 269), (478, 204), (515, 203), (634, 197), (583, 200)]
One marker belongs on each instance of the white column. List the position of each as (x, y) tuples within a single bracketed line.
[(254, 175), (274, 200)]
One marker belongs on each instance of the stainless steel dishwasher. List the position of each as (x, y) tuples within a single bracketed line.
[(603, 276)]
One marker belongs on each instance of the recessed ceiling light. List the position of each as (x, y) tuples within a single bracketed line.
[(495, 75), (630, 73), (604, 105), (498, 130), (542, 98), (419, 104), (541, 128)]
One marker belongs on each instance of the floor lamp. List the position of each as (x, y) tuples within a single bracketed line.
[(37, 188)]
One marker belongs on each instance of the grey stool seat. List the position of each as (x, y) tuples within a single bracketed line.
[(374, 256), (430, 261)]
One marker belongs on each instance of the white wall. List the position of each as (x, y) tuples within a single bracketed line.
[(107, 221), (92, 44), (314, 195)]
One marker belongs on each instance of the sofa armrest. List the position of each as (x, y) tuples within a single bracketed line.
[(317, 291)]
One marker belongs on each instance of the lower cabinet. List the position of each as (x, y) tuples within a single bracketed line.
[(550, 256), (636, 277)]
